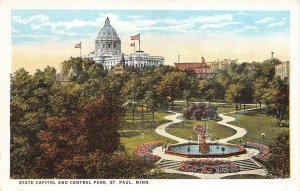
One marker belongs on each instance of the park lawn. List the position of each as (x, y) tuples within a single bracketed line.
[(138, 123), (222, 107), (185, 130), (225, 108), (145, 136), (255, 123), (136, 133)]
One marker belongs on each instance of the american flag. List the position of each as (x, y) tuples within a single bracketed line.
[(136, 37), (132, 44), (78, 45)]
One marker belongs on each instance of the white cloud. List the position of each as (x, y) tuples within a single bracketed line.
[(264, 20), (136, 16), (276, 24), (138, 23), (218, 25), (244, 13), (247, 28), (38, 18), (215, 18)]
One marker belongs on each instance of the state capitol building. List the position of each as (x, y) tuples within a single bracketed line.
[(108, 51)]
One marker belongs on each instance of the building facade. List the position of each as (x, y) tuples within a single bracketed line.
[(199, 69), (282, 70), (220, 64), (108, 51)]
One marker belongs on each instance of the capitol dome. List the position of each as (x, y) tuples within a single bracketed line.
[(107, 42)]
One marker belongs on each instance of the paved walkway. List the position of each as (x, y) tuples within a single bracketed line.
[(240, 132), (161, 130)]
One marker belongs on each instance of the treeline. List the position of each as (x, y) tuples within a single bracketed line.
[(70, 130), (159, 87)]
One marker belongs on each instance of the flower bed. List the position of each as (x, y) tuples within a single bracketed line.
[(201, 112), (200, 128), (144, 151), (208, 166), (264, 151)]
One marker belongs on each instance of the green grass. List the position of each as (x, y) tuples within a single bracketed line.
[(138, 123), (222, 108), (225, 108), (185, 130), (146, 136), (255, 123), (244, 176), (136, 133)]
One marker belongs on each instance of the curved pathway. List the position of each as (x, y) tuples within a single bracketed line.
[(240, 132), (161, 130)]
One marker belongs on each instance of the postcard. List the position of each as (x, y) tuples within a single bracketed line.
[(143, 95)]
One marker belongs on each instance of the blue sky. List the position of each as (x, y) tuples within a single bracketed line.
[(37, 26)]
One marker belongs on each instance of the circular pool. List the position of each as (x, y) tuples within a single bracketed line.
[(191, 150)]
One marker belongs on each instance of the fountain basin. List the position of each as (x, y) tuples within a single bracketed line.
[(191, 150)]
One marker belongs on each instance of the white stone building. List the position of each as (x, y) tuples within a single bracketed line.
[(108, 51), (282, 69), (220, 64)]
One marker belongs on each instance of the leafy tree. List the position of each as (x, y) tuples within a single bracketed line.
[(277, 100), (211, 89), (260, 89), (171, 85), (233, 93), (132, 93), (90, 129), (151, 100), (30, 106), (279, 163)]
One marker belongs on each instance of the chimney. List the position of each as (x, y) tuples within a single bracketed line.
[(272, 55)]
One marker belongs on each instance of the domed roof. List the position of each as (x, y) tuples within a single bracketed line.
[(107, 32)]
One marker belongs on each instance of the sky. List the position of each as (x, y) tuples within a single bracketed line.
[(47, 37)]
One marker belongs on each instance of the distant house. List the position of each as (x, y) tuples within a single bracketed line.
[(282, 70), (199, 69), (220, 64)]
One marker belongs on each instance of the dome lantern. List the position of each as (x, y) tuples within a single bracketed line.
[(107, 22)]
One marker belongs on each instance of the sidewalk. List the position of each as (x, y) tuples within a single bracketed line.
[(240, 132)]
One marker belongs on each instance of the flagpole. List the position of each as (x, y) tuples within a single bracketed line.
[(139, 42), (80, 50), (134, 47)]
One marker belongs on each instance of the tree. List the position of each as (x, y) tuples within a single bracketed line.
[(132, 93), (233, 93), (260, 89), (151, 99), (211, 89), (279, 162), (71, 138), (171, 85), (30, 106), (277, 100)]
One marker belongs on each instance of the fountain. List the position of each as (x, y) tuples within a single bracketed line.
[(203, 149)]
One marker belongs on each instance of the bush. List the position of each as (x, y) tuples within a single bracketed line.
[(201, 112)]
